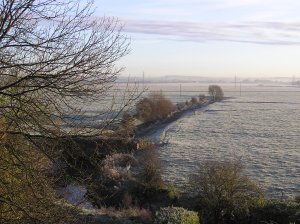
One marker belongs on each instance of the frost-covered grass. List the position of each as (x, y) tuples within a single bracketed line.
[(262, 130)]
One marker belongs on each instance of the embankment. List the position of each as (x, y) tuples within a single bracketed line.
[(146, 129)]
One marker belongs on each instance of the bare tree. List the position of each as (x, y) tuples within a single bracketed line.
[(26, 193), (216, 93), (154, 107), (54, 55), (127, 127)]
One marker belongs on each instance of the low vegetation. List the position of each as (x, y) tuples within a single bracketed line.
[(224, 193), (202, 98), (274, 211), (126, 128), (194, 100), (26, 192), (175, 215), (112, 215), (216, 93), (154, 107), (55, 56), (150, 171)]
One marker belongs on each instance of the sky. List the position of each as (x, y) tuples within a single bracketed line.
[(217, 38)]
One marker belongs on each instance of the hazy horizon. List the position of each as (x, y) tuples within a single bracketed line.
[(191, 78)]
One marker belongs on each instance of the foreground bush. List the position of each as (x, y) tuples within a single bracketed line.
[(176, 215), (126, 128), (276, 212), (173, 193), (26, 193), (224, 193), (149, 177)]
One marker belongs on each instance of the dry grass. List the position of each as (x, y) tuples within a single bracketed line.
[(109, 214), (127, 212)]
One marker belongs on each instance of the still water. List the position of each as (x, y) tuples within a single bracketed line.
[(259, 125)]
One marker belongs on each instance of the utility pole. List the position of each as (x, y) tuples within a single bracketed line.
[(240, 88), (293, 80), (180, 90), (235, 81), (143, 80)]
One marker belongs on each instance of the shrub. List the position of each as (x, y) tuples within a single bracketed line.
[(224, 193), (116, 167), (127, 200), (173, 193), (126, 128), (216, 93), (194, 100), (297, 198), (26, 192), (112, 215), (150, 170), (276, 212), (154, 107), (176, 215), (202, 98), (144, 143), (113, 183)]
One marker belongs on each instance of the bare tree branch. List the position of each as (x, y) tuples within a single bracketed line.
[(53, 53)]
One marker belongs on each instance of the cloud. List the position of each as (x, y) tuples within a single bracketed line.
[(272, 33)]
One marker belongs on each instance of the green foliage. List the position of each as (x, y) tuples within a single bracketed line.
[(176, 215), (173, 192)]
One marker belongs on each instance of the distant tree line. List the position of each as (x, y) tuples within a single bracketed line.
[(156, 106)]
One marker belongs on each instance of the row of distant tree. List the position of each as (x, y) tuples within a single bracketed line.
[(156, 106)]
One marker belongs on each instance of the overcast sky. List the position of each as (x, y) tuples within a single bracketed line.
[(247, 38)]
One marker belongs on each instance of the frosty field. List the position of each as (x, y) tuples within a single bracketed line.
[(259, 126)]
